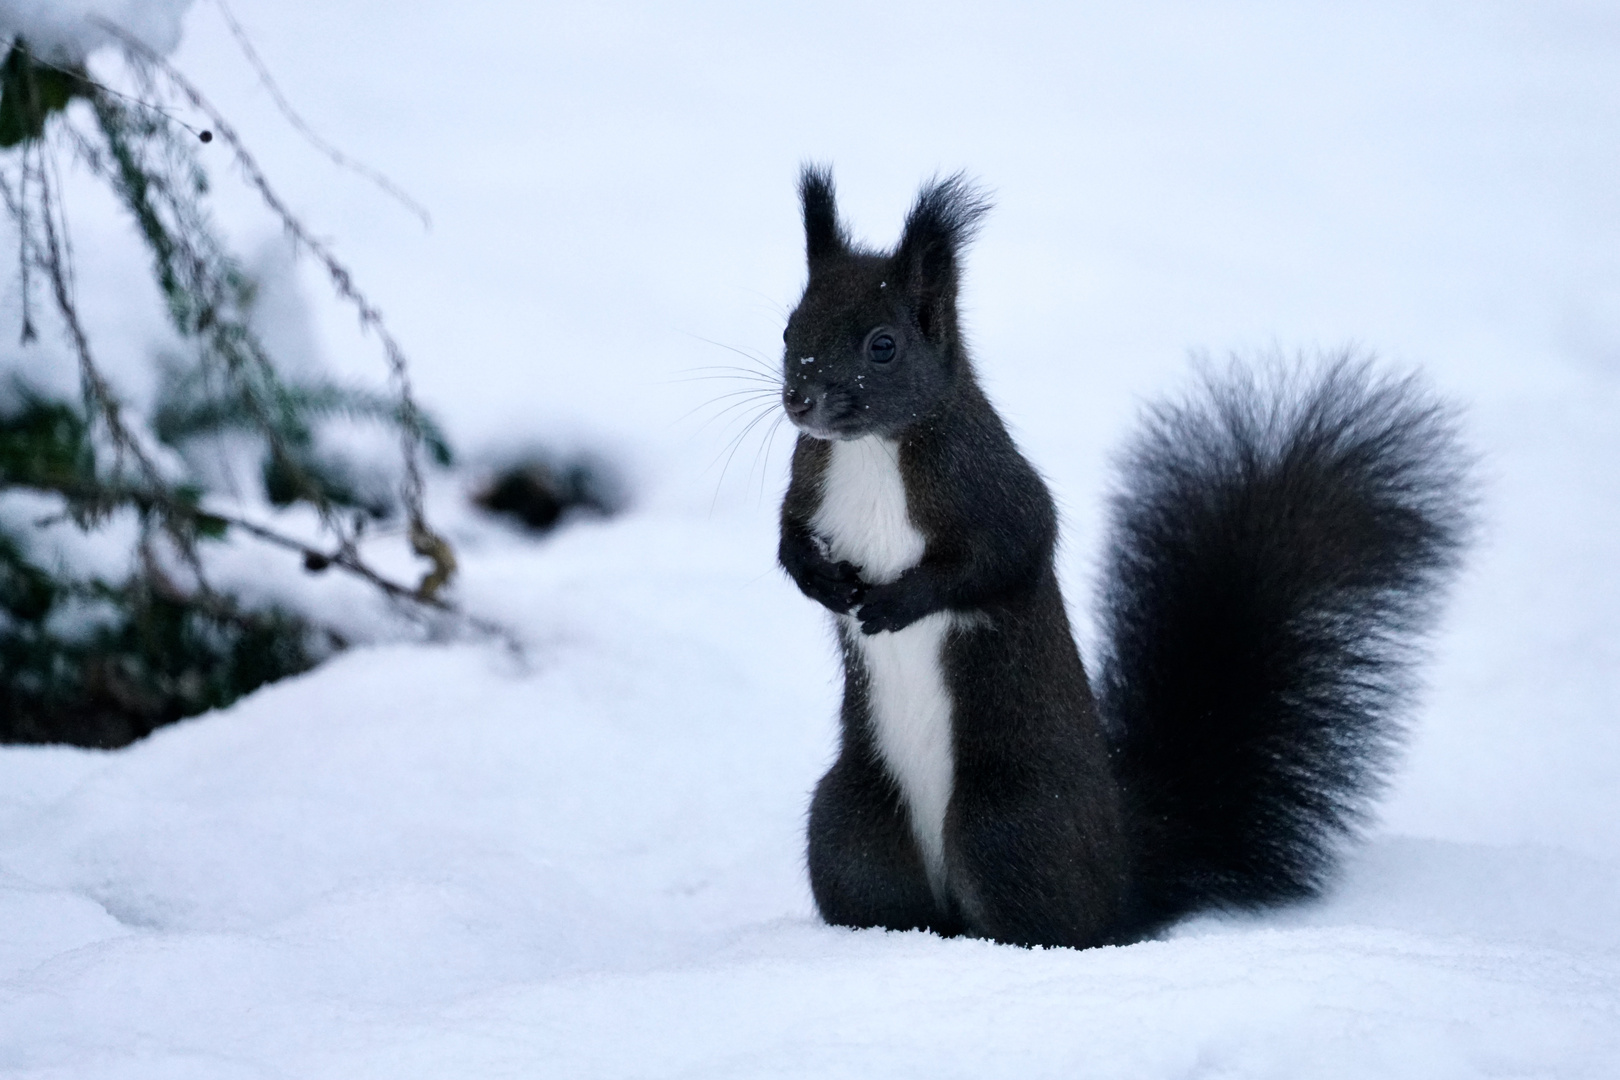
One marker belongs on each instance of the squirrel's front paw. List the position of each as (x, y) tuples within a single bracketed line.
[(886, 609), (836, 586)]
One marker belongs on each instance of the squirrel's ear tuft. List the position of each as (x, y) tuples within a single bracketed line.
[(946, 217), (823, 236)]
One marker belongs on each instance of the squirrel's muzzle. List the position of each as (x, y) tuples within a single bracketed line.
[(798, 406)]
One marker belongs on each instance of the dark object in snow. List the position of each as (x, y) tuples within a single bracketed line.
[(538, 493), (1278, 546)]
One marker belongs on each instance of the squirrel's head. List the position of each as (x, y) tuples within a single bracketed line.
[(874, 346)]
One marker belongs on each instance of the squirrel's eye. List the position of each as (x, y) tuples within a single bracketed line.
[(882, 348)]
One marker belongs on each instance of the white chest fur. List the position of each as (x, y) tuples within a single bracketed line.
[(864, 520)]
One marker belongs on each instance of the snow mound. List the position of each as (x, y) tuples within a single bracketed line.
[(433, 861)]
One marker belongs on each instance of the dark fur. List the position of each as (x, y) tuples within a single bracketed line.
[(1273, 559), (1278, 548)]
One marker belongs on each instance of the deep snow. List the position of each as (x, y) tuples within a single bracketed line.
[(437, 860)]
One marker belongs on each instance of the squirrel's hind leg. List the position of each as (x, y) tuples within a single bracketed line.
[(865, 868)]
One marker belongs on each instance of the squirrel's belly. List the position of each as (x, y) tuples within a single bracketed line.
[(863, 518), (911, 719)]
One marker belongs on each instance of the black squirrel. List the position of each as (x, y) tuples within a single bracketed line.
[(1277, 548)]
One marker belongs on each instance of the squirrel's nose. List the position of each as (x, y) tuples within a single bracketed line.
[(797, 406)]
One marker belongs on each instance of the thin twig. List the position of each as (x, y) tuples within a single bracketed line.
[(338, 158), (424, 541), (345, 557), (189, 262), (99, 394), (44, 244), (100, 87), (348, 559)]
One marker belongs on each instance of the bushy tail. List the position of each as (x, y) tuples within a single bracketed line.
[(1279, 544)]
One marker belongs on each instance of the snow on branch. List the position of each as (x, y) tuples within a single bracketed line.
[(68, 31)]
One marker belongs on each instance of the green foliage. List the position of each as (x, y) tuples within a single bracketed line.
[(30, 92), (285, 416), (27, 593), (45, 445), (232, 385), (136, 658), (186, 411), (101, 662)]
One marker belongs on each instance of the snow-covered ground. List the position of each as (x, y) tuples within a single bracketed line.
[(438, 860)]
